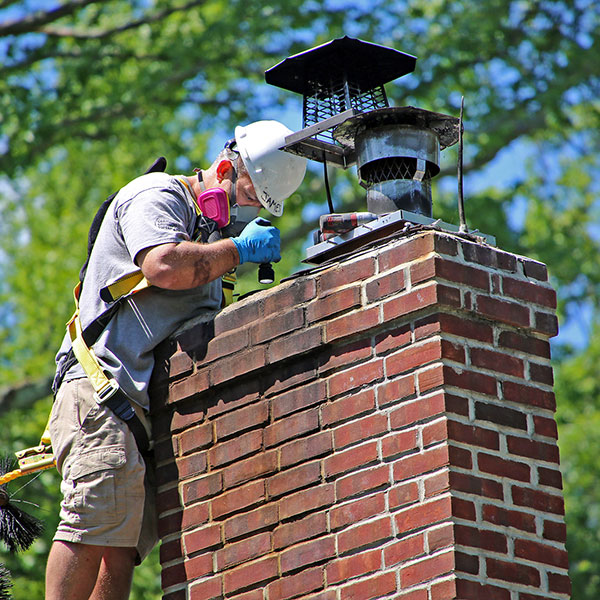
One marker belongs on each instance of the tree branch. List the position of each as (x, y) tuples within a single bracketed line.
[(35, 21), (96, 34)]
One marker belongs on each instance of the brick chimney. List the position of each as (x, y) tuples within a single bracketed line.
[(382, 427)]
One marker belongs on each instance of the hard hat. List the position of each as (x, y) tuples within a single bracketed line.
[(276, 174)]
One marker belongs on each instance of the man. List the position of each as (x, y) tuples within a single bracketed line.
[(150, 226)]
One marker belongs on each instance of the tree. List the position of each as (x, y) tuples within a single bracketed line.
[(92, 91)]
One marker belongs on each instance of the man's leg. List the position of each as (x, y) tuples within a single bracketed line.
[(82, 572), (72, 570), (116, 574)]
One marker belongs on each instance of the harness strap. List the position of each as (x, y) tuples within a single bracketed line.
[(106, 389)]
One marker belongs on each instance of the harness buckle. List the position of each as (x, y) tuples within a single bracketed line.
[(108, 392)]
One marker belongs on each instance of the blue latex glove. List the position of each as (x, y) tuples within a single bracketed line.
[(259, 242)]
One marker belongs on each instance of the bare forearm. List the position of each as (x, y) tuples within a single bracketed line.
[(188, 264)]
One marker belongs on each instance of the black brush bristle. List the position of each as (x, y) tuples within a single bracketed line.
[(5, 583), (18, 529)]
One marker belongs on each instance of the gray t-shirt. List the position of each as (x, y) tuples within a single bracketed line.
[(151, 210)]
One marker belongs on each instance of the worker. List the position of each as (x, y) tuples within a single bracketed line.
[(107, 517)]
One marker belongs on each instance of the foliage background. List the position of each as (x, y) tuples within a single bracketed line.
[(93, 91)]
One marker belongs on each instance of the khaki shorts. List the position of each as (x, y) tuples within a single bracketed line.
[(105, 481)]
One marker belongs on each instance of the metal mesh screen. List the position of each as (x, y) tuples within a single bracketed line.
[(389, 169), (331, 100)]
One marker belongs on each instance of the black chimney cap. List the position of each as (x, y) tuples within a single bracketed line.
[(364, 64)]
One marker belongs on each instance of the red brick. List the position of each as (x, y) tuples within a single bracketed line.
[(300, 530), (360, 429), (541, 373), (355, 377), (357, 565), (430, 378), (373, 587), (555, 531), (289, 293), (427, 461), (530, 292), (481, 538), (201, 488), (533, 449), (191, 465), (236, 448), (225, 344), (403, 495), (436, 484), (497, 361), (293, 426), (513, 572), (525, 394), (253, 573), (464, 274), (541, 553), (479, 486), (395, 391), (173, 575), (245, 550), (195, 515), (500, 415), (170, 551), (250, 522), (407, 250), (511, 313), (402, 442), (470, 380), (467, 563), (427, 569), (418, 410), (545, 323), (524, 343), (195, 438), (298, 399), (357, 510), (371, 533), (351, 324), (199, 566), (209, 589), (330, 304), (299, 342), (229, 368), (473, 590), (551, 477), (509, 518), (342, 275), (236, 316), (511, 469), (202, 539), (277, 324), (460, 457), (424, 514), (261, 465), (307, 500), (307, 553), (546, 427), (464, 327), (350, 460), (242, 420), (413, 357), (304, 449), (463, 509), (385, 285), (558, 583), (238, 499), (434, 433), (440, 537), (345, 355), (293, 479), (410, 302), (473, 435), (292, 586), (444, 589), (349, 407), (403, 550), (391, 339), (362, 482)]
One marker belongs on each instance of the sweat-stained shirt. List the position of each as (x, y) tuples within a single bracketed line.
[(151, 210)]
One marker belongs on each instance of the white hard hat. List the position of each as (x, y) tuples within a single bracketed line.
[(276, 174)]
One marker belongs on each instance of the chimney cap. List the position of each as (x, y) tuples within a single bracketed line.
[(363, 64)]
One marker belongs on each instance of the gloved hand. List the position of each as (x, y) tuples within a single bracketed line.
[(259, 242)]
